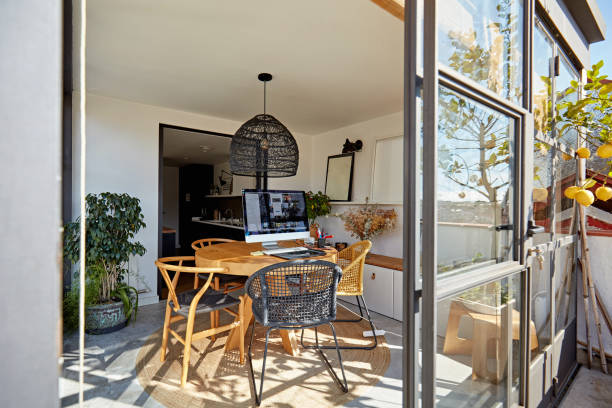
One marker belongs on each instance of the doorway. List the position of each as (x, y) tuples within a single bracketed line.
[(198, 195)]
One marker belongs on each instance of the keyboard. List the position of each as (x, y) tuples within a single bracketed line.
[(284, 250)]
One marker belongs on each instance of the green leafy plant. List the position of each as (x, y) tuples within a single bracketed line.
[(317, 205), (112, 222)]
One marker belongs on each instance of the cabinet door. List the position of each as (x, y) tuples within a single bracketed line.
[(378, 289)]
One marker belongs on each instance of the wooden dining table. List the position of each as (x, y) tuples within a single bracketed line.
[(236, 256)]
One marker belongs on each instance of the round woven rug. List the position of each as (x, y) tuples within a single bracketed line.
[(216, 379)]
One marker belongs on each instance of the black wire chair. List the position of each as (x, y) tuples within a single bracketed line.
[(295, 295)]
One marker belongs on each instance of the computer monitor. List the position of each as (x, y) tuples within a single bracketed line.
[(274, 215)]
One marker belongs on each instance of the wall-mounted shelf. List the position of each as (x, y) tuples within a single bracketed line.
[(223, 195)]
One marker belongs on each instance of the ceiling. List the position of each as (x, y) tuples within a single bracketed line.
[(183, 147), (334, 63)]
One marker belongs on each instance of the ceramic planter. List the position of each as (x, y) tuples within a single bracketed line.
[(105, 318)]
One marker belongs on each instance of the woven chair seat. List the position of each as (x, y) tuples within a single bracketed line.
[(211, 301)]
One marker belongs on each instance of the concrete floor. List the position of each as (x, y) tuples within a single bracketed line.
[(591, 388), (110, 375)]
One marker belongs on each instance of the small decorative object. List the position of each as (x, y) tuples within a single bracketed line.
[(350, 147), (263, 146), (339, 178), (226, 181), (368, 221), (317, 205)]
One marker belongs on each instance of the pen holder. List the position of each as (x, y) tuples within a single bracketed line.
[(321, 242)]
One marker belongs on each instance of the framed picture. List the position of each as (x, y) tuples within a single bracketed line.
[(339, 178)]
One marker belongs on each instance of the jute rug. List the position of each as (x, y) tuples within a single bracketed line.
[(216, 379)]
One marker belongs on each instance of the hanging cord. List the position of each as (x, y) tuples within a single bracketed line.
[(265, 82), (82, 100)]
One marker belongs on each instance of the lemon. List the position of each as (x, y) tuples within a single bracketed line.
[(566, 157), (605, 150), (570, 192), (540, 195), (583, 153), (584, 197), (604, 193)]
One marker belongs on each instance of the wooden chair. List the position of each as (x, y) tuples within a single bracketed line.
[(187, 305), (227, 282), (352, 261)]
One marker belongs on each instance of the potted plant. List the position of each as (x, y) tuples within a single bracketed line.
[(111, 224), (317, 205)]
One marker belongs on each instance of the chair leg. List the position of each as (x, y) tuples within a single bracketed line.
[(352, 320), (370, 347), (343, 385), (164, 344), (214, 316), (263, 367), (242, 327), (187, 350)]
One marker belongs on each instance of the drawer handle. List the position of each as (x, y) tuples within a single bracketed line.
[(373, 275)]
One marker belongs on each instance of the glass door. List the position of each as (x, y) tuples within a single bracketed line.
[(552, 243)]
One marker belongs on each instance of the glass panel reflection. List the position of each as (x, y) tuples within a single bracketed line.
[(565, 212), (483, 40), (475, 186), (565, 91), (542, 80), (565, 287), (478, 345), (542, 187)]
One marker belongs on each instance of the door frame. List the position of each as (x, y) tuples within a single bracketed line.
[(160, 184)]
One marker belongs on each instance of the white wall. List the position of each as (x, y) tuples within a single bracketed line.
[(601, 270), (330, 143), (240, 182), (122, 157), (171, 200), (31, 170)]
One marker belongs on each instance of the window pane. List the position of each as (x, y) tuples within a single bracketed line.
[(475, 186), (540, 303), (474, 329), (565, 92), (483, 40), (542, 80), (565, 287), (542, 187), (565, 176)]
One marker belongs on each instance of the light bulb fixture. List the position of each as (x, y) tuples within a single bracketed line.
[(263, 147)]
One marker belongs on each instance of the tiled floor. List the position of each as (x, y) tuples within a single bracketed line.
[(110, 377)]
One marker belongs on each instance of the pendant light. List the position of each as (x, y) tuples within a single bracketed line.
[(264, 147)]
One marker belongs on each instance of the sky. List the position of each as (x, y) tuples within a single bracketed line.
[(603, 50)]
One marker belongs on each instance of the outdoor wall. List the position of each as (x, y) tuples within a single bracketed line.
[(601, 269), (122, 157), (330, 143), (31, 168), (170, 201)]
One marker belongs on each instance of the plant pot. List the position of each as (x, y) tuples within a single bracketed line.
[(105, 318)]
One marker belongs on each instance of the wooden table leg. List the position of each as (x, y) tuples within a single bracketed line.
[(290, 342)]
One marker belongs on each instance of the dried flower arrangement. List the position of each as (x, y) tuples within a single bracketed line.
[(368, 221)]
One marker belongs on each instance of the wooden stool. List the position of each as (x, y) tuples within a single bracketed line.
[(487, 340)]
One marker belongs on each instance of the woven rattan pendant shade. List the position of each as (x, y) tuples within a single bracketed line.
[(264, 147)]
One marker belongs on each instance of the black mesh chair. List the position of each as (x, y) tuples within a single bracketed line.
[(295, 295)]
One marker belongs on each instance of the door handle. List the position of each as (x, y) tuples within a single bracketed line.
[(504, 227), (533, 229)]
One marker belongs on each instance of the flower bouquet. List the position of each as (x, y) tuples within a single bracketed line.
[(368, 221)]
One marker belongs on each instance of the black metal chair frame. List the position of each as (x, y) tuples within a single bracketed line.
[(370, 347), (287, 284)]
